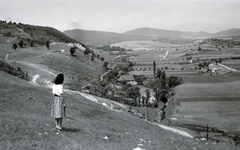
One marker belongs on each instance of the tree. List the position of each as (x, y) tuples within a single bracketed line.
[(159, 73), (173, 81), (102, 59), (47, 44), (14, 46), (147, 95), (20, 43), (86, 51), (199, 48), (105, 64), (154, 68), (31, 44), (133, 92), (163, 81), (73, 50), (139, 79), (93, 56)]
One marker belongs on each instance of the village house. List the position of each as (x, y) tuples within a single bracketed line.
[(129, 78)]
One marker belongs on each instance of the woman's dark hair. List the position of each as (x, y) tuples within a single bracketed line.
[(59, 79)]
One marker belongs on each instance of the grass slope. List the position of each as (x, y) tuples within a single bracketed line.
[(25, 123), (79, 70), (37, 34)]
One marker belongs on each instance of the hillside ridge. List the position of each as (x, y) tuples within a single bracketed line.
[(144, 33)]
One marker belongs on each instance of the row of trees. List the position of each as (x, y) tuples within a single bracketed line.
[(23, 44)]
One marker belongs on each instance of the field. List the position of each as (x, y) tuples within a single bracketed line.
[(209, 103), (234, 63), (144, 45), (203, 98), (222, 115)]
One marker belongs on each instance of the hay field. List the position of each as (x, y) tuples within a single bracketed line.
[(223, 115), (205, 90), (143, 45), (216, 104), (233, 63)]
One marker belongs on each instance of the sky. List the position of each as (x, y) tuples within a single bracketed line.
[(123, 15)]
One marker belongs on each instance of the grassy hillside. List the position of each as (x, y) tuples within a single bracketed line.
[(30, 33), (79, 69), (26, 124)]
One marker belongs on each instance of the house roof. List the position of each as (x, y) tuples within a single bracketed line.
[(126, 77)]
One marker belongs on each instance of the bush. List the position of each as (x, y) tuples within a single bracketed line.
[(102, 59), (14, 46), (73, 50), (20, 43), (87, 51), (47, 44), (16, 72)]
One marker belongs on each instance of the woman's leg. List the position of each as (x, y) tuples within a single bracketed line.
[(60, 122), (56, 122)]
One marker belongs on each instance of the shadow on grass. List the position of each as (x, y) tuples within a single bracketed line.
[(71, 129)]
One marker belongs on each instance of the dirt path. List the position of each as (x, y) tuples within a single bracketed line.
[(234, 70), (165, 55)]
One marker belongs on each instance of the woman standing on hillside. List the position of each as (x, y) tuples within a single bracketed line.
[(58, 104)]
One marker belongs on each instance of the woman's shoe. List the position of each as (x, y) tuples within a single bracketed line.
[(59, 128)]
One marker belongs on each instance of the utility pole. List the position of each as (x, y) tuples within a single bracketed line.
[(147, 112), (207, 132)]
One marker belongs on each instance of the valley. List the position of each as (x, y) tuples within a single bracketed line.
[(193, 84)]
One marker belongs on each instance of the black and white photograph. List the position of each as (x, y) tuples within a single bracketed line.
[(119, 74)]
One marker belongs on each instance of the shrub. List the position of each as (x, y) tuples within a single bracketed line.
[(20, 43), (73, 50), (102, 59), (14, 46), (47, 44)]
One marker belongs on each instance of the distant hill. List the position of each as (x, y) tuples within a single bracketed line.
[(159, 33), (227, 33), (144, 34), (86, 36), (36, 34)]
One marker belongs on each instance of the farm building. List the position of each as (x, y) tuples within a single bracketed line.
[(129, 78), (114, 52), (210, 66)]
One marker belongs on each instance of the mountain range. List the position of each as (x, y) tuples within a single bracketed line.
[(144, 34)]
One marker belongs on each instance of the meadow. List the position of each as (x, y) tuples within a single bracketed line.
[(144, 45), (209, 103), (233, 63)]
